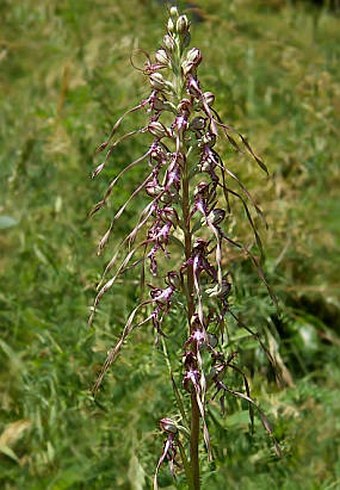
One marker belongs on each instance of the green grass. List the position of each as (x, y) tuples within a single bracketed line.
[(65, 77)]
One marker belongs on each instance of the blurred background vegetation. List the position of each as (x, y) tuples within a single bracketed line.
[(65, 78)]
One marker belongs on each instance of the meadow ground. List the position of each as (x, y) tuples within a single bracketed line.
[(65, 78)]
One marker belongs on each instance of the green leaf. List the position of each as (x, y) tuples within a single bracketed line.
[(9, 452)]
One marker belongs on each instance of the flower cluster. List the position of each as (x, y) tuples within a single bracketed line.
[(184, 185)]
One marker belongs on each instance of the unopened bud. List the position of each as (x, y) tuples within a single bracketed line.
[(160, 105), (204, 166), (194, 88), (195, 322), (153, 190), (184, 105), (209, 97), (157, 81), (171, 25), (162, 57), (198, 123), (173, 279), (187, 67), (166, 198), (220, 291), (171, 214), (182, 24), (200, 244), (157, 129), (169, 42), (194, 55), (209, 139), (174, 12), (168, 425), (202, 188), (216, 216), (226, 287)]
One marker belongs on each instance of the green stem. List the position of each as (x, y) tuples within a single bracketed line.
[(187, 467), (195, 414), (194, 481), (194, 440)]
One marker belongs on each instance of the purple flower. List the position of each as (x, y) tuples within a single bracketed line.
[(197, 339), (191, 380)]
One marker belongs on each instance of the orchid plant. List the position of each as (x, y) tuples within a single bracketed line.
[(185, 182)]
